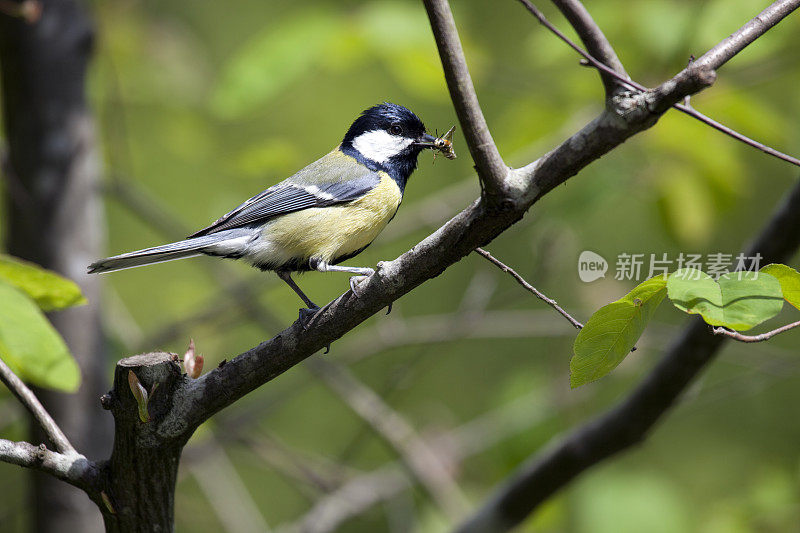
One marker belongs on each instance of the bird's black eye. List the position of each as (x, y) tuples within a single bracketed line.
[(395, 129)]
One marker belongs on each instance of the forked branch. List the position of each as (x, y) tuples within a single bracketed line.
[(697, 75)]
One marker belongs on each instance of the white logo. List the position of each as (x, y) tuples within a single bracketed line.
[(591, 266)]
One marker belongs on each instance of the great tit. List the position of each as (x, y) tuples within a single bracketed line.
[(326, 213)]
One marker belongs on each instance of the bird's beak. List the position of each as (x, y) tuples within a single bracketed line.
[(426, 141)]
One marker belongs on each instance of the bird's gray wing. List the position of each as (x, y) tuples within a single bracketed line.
[(289, 196)]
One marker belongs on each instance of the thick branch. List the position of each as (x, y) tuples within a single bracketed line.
[(71, 467), (491, 169), (628, 423), (32, 404)]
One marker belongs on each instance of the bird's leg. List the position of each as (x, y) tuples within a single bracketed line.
[(285, 276), (305, 314), (363, 272)]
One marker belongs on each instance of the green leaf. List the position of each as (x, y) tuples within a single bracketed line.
[(789, 279), (31, 346), (740, 301), (611, 333), (49, 290)]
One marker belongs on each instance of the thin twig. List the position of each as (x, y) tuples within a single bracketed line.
[(692, 112), (754, 338), (549, 301), (711, 60), (32, 404)]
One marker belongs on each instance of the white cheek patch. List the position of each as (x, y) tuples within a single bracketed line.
[(380, 145)]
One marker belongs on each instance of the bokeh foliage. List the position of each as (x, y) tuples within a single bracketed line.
[(202, 104)]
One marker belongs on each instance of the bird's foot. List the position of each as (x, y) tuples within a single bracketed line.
[(356, 281), (306, 316)]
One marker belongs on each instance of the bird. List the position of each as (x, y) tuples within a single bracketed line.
[(326, 213)]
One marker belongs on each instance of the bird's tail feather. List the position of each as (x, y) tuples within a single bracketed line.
[(158, 254)]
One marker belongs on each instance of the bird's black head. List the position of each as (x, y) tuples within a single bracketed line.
[(387, 137)]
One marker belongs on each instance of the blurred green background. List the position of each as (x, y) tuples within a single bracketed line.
[(202, 104)]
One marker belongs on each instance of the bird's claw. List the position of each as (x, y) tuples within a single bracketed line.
[(306, 315), (355, 281)]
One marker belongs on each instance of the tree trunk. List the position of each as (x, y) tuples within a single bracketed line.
[(144, 464), (55, 219)]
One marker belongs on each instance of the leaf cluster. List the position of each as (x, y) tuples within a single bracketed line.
[(737, 301)]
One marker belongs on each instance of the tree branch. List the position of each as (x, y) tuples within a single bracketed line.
[(629, 422), (735, 335), (32, 404), (71, 467), (491, 169)]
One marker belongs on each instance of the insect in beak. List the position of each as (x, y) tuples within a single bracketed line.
[(445, 144), (442, 144)]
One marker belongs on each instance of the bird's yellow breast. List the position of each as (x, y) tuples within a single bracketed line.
[(328, 233)]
